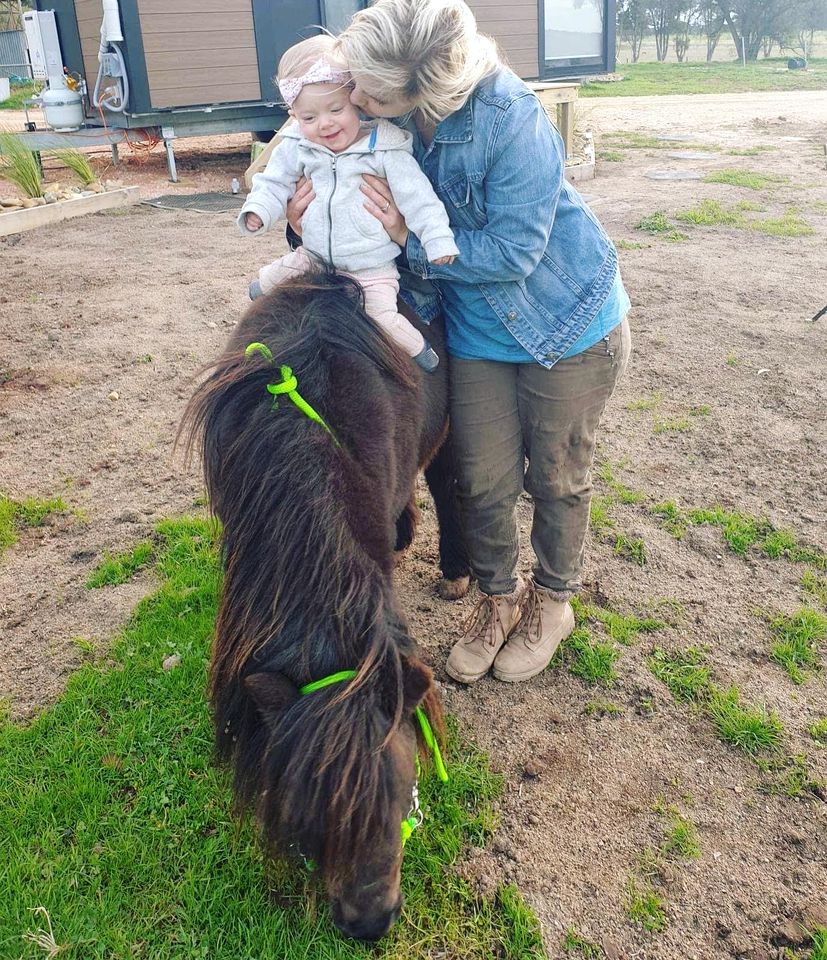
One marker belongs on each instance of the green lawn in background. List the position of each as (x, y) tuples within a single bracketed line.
[(647, 79), (116, 823), (18, 95)]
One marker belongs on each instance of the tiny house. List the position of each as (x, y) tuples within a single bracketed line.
[(199, 56)]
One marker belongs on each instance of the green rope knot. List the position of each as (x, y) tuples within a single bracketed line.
[(289, 386)]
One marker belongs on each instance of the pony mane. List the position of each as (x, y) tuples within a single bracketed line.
[(308, 557)]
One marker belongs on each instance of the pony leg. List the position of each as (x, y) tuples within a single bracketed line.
[(406, 525), (453, 557)]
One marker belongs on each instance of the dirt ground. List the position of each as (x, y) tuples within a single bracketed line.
[(130, 303)]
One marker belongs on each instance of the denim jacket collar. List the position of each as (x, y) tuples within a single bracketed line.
[(458, 127)]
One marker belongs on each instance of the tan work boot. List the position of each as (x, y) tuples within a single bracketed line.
[(486, 630), (546, 621)]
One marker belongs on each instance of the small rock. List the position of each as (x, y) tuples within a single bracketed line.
[(95, 187), (532, 769), (814, 913), (171, 662), (114, 395), (53, 336), (28, 203), (13, 203), (50, 197), (791, 932), (611, 949)]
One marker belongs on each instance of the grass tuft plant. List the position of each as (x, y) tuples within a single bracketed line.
[(30, 512), (79, 164), (122, 567), (681, 842), (746, 178), (591, 660), (19, 165), (658, 225), (797, 639), (644, 907), (684, 672), (710, 213), (574, 943), (751, 730), (815, 586), (818, 730)]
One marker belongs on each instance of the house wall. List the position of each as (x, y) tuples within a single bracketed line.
[(198, 52), (516, 28)]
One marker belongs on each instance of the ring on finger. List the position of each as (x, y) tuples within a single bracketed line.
[(386, 207)]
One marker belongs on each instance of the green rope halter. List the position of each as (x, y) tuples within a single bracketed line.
[(289, 386), (410, 823)]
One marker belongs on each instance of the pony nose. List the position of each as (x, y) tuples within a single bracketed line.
[(370, 928)]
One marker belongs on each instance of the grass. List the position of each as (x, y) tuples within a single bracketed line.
[(672, 425), (78, 163), (746, 178), (18, 95), (749, 151), (815, 586), (632, 548), (651, 79), (622, 628), (122, 567), (797, 639), (591, 660), (750, 729), (674, 521), (605, 473), (630, 245), (658, 225), (574, 943), (644, 907), (818, 730), (684, 672), (645, 403), (818, 943), (117, 824), (681, 841), (18, 165), (788, 224), (709, 213), (632, 140), (712, 213), (611, 156), (30, 512)]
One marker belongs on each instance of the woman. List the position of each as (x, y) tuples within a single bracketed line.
[(535, 313)]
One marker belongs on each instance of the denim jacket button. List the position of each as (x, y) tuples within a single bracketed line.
[(551, 356), (512, 315)]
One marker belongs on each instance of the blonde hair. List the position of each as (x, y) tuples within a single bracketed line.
[(427, 51), (296, 60)]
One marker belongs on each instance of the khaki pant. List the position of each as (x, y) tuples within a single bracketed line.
[(503, 414), (380, 287)]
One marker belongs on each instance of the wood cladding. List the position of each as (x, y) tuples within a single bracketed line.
[(199, 51), (516, 28)]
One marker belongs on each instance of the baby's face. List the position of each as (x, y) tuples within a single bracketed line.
[(326, 116)]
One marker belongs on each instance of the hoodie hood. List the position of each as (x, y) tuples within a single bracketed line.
[(375, 135)]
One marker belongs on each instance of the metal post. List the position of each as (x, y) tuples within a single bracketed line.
[(169, 136), (115, 158)]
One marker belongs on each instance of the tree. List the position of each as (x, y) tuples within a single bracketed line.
[(662, 16), (750, 22), (632, 24), (684, 20), (711, 20)]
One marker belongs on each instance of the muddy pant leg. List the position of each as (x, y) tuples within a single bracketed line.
[(560, 410), (285, 268), (380, 304), (488, 446)]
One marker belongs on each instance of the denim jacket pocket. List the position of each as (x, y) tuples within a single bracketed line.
[(458, 196)]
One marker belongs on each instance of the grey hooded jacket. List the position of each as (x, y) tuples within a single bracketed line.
[(336, 227)]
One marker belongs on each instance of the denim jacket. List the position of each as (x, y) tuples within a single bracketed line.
[(526, 238)]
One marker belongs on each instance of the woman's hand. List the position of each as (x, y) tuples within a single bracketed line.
[(298, 203), (379, 203)]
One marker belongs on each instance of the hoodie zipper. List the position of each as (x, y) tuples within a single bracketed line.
[(330, 214)]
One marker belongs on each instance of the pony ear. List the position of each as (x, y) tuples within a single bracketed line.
[(416, 682), (272, 694)]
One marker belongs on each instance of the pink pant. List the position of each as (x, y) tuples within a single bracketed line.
[(381, 286)]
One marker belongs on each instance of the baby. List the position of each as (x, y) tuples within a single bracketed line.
[(332, 147)]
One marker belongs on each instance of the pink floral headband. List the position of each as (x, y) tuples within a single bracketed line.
[(322, 71)]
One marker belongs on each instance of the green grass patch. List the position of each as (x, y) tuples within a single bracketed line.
[(589, 659), (818, 943), (793, 777), (750, 729), (681, 840), (746, 178), (122, 567), (580, 947), (31, 512), (657, 224), (815, 586), (653, 79), (605, 473), (797, 640), (684, 672), (818, 730), (602, 708), (672, 425), (673, 518), (644, 907), (645, 403), (600, 519), (19, 93), (632, 140), (611, 156), (117, 823), (788, 224), (632, 548), (702, 410), (622, 628), (630, 245), (750, 206), (710, 213), (749, 151)]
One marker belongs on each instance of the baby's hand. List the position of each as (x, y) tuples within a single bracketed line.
[(443, 261), (253, 221)]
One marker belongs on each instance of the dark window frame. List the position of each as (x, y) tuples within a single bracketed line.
[(579, 66)]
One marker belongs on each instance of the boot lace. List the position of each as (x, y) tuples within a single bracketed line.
[(482, 621), (530, 629)]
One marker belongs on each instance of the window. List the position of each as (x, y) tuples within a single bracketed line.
[(337, 13), (576, 37)]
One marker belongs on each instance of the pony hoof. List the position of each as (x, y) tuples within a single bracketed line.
[(453, 589)]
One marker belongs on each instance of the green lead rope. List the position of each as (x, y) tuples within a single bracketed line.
[(409, 824), (289, 385)]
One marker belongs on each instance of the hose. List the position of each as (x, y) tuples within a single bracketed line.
[(108, 102)]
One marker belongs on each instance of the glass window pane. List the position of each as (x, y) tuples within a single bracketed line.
[(574, 28), (337, 13)]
